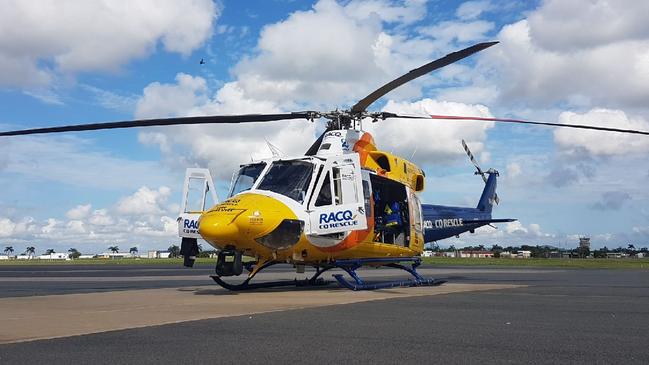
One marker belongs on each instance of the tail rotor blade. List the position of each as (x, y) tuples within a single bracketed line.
[(480, 172), (473, 161)]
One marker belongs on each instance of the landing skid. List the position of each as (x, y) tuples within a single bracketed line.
[(349, 266), (315, 280)]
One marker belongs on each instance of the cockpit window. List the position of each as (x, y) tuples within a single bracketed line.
[(246, 177), (289, 178)]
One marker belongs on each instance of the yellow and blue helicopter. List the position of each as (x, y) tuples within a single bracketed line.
[(344, 204)]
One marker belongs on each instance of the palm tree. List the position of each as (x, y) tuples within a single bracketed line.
[(30, 251), (174, 251), (133, 250), (74, 253), (49, 251), (9, 250), (114, 249)]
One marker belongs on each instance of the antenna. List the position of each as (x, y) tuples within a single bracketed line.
[(413, 152), (273, 149)]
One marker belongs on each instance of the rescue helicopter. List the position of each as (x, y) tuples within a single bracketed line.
[(344, 204)]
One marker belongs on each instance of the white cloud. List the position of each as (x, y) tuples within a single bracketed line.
[(404, 12), (76, 226), (560, 25), (162, 100), (458, 31), (38, 40), (433, 140), (100, 217), (6, 227), (140, 218), (611, 73), (144, 201), (473, 9), (602, 143), (79, 212), (513, 170)]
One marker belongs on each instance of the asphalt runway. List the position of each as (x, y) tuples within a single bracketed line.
[(175, 315)]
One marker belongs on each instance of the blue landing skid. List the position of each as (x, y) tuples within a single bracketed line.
[(350, 267)]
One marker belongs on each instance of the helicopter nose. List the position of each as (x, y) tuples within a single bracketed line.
[(250, 219)]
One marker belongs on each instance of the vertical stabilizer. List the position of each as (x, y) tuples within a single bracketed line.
[(488, 197)]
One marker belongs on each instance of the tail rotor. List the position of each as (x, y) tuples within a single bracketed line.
[(479, 171)]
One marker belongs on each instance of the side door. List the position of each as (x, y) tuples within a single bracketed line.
[(337, 204), (198, 189)]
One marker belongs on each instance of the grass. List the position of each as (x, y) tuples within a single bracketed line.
[(121, 261), (533, 262), (642, 264)]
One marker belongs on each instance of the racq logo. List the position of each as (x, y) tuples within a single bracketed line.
[(343, 218), (190, 226)]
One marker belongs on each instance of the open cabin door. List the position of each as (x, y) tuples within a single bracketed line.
[(198, 190), (337, 204)]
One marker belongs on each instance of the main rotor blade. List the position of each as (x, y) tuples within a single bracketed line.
[(413, 74), (212, 119), (516, 121)]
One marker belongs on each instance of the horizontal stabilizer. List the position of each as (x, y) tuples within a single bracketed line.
[(489, 221)]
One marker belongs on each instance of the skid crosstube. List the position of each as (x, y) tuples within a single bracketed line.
[(349, 266)]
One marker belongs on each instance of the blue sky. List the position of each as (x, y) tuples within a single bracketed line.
[(102, 61)]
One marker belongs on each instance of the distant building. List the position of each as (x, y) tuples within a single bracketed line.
[(477, 254), (158, 254), (518, 254), (115, 255), (524, 254), (4, 257), (615, 255), (584, 242), (87, 256), (54, 256)]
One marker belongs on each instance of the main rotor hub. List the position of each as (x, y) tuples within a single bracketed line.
[(347, 119)]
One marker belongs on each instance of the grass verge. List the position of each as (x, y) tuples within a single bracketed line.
[(532, 262)]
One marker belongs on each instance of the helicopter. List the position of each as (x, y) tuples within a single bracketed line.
[(344, 204)]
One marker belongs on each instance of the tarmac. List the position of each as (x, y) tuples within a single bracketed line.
[(165, 314)]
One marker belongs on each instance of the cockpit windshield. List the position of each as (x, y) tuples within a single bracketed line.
[(246, 177), (289, 178)]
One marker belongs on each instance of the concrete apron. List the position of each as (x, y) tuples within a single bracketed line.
[(45, 317)]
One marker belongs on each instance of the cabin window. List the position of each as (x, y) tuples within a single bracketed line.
[(325, 146), (367, 195), (288, 178), (324, 197), (383, 163), (246, 177), (338, 191)]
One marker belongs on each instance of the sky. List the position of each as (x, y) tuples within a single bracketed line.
[(69, 62)]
